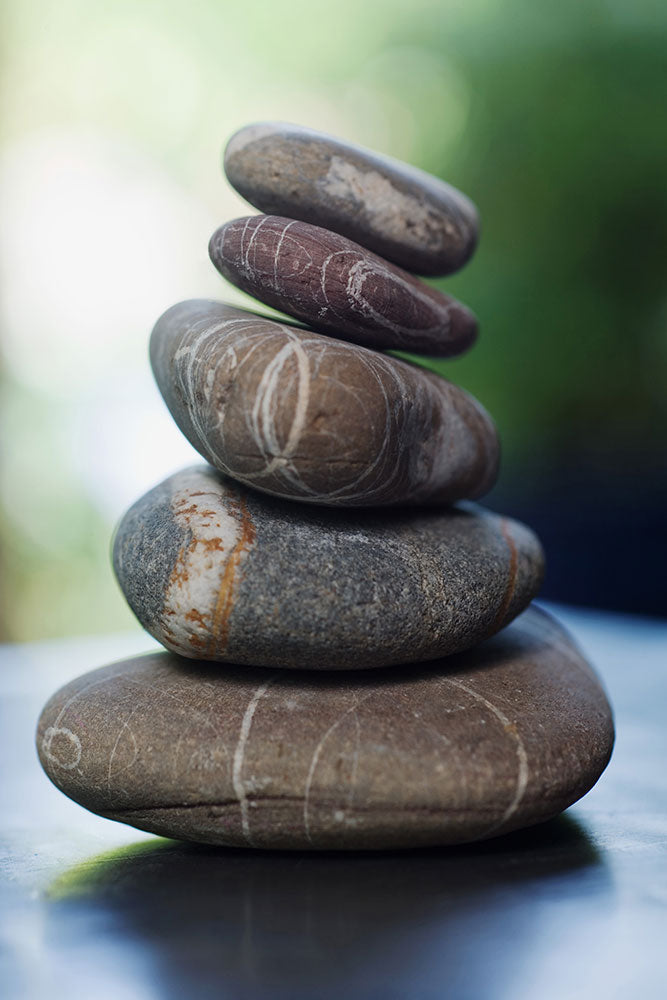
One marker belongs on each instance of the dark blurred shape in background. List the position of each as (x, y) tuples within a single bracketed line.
[(566, 157), (551, 117)]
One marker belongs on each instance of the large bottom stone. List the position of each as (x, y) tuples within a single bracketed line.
[(485, 742)]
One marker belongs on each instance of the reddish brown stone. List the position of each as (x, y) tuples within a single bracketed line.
[(338, 287), (309, 417)]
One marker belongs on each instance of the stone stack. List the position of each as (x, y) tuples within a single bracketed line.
[(321, 540)]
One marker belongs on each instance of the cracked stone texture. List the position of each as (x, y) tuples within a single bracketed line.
[(216, 571), (398, 211), (338, 287), (307, 417), (480, 744)]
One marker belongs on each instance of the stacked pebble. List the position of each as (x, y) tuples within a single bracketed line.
[(455, 735)]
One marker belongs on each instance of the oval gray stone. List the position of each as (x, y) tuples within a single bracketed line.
[(338, 287), (404, 214), (307, 417), (216, 571), (504, 736)]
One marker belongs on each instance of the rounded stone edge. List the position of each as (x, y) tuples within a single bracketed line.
[(405, 173), (151, 819), (460, 326), (477, 480), (149, 536)]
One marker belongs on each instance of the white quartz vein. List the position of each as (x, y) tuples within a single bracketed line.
[(235, 349), (522, 756), (239, 754), (316, 756)]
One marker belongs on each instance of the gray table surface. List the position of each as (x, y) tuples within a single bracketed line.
[(574, 908)]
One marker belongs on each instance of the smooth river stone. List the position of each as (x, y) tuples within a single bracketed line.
[(398, 211), (337, 286), (216, 571), (504, 736), (306, 417)]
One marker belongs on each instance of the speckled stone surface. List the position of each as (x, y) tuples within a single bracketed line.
[(307, 417), (404, 214), (338, 287), (217, 571), (491, 740)]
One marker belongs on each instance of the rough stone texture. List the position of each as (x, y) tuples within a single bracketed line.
[(216, 571), (503, 736), (398, 211), (338, 287), (303, 416)]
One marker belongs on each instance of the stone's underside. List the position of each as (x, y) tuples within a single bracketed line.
[(216, 571), (307, 417), (337, 286), (408, 216), (501, 737)]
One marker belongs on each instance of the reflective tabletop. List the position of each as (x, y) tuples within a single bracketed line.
[(574, 908)]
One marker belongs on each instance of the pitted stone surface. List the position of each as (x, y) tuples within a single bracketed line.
[(480, 744), (264, 582), (338, 287), (307, 417), (401, 213)]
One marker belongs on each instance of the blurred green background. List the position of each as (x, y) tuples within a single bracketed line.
[(550, 116)]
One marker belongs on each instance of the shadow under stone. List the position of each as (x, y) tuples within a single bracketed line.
[(239, 923)]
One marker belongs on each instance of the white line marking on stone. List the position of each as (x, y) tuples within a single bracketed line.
[(239, 754), (522, 756), (277, 252), (316, 757), (230, 347), (112, 755), (49, 735)]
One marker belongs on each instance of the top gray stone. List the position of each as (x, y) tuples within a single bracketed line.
[(402, 213)]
